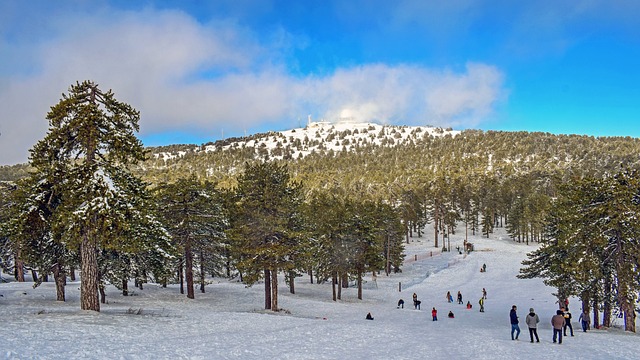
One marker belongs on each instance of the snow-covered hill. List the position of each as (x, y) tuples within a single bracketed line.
[(228, 322), (317, 137)]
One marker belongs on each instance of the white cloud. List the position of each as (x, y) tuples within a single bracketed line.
[(408, 94), (182, 74)]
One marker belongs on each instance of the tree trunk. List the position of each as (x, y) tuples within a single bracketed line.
[(89, 271), (34, 275), (435, 227), (387, 268), (60, 278), (606, 311), (334, 281), (292, 283), (274, 290), (125, 287), (311, 276), (181, 276), (202, 282), (188, 258), (340, 280), (72, 273), (596, 315), (19, 268), (103, 295), (267, 289), (359, 284), (629, 312)]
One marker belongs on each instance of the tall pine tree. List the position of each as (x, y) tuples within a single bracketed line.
[(88, 149), (266, 225)]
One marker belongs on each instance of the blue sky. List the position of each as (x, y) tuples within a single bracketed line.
[(201, 70)]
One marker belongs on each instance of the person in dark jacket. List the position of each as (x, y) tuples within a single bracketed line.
[(400, 304), (451, 316), (532, 321), (459, 297), (416, 302), (567, 322), (514, 323), (369, 317)]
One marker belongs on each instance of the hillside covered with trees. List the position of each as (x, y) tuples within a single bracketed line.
[(328, 201)]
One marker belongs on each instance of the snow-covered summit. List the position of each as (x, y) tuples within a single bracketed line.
[(341, 136), (321, 137)]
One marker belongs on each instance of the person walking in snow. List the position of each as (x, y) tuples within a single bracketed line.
[(514, 322), (532, 321), (449, 298), (557, 321), (459, 297), (484, 293), (434, 314), (484, 267), (585, 321), (567, 322), (481, 302)]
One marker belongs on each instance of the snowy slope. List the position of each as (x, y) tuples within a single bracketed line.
[(228, 321), (321, 136)]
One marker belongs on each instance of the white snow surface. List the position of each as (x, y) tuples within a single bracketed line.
[(229, 322)]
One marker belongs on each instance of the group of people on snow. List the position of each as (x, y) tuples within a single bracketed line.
[(560, 322), (434, 312)]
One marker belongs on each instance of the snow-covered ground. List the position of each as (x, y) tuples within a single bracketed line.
[(228, 321)]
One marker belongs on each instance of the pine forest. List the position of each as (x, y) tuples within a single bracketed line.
[(324, 203)]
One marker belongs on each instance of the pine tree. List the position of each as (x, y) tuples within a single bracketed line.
[(194, 216), (33, 204), (88, 149), (266, 224), (593, 247)]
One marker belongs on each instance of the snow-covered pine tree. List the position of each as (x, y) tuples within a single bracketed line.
[(29, 228), (90, 145), (7, 253)]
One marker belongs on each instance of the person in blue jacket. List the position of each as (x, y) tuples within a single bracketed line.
[(514, 323)]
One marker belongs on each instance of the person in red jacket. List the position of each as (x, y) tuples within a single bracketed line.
[(434, 314)]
